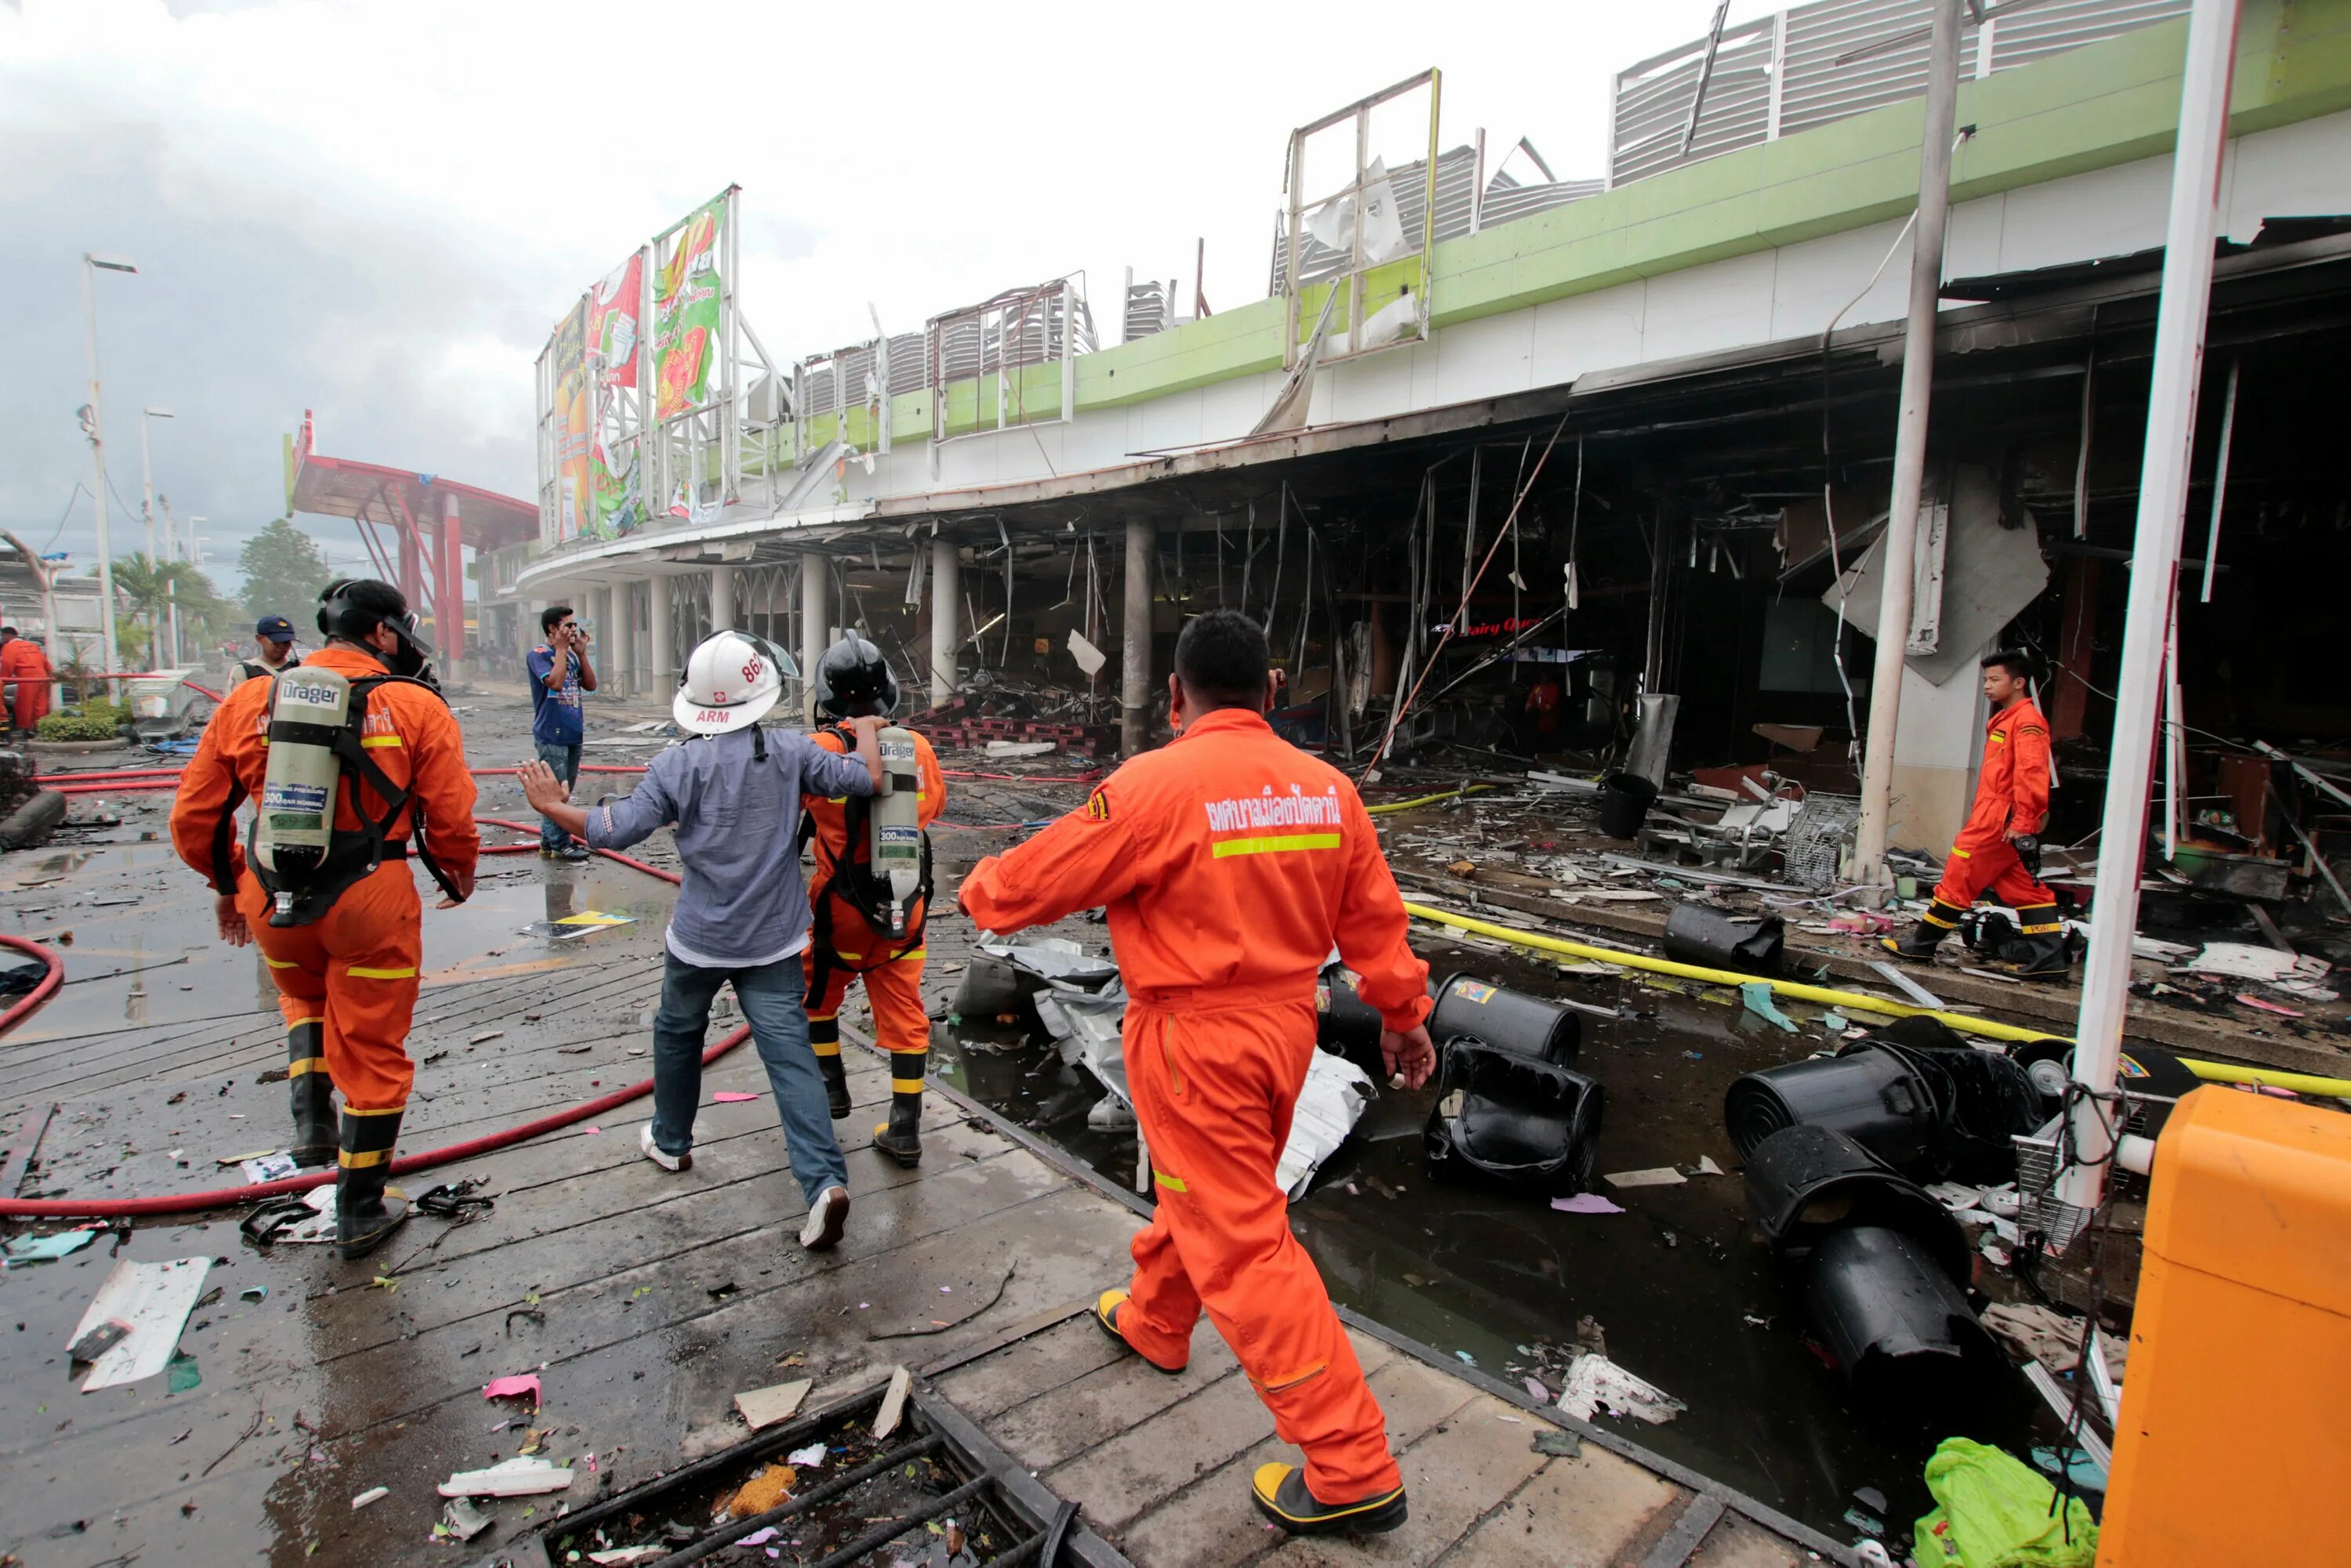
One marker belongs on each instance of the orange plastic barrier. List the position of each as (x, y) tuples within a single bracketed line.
[(2233, 1434)]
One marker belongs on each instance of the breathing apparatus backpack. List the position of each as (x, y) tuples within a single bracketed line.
[(894, 876), (317, 717)]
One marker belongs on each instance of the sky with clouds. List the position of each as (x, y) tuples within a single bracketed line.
[(376, 209)]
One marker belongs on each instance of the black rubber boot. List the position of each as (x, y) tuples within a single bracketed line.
[(824, 1038), (313, 1094), (2039, 952), (1918, 945), (1279, 1492), (901, 1137), (364, 1212)]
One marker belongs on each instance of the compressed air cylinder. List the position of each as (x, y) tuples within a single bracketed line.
[(296, 817)]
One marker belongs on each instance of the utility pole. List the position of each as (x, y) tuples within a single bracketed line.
[(2173, 383), (1899, 559), (108, 661), (147, 506), (172, 553)]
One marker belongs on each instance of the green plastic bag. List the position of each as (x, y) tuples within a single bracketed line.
[(1997, 1513)]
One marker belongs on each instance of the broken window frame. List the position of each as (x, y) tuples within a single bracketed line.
[(1356, 279), (1004, 321)]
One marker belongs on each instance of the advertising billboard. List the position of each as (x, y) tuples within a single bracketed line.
[(687, 314), (574, 499)]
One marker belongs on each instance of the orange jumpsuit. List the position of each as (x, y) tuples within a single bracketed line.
[(1231, 863), (354, 970), (22, 663), (893, 971), (2012, 795)]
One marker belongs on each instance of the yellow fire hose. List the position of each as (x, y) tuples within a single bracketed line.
[(1430, 800), (2214, 1072)]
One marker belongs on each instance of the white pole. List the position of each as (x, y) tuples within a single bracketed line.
[(1898, 562), (147, 484), (2154, 571), (946, 618), (108, 660)]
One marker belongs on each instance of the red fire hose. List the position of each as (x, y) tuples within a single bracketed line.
[(224, 1198), (30, 1003)]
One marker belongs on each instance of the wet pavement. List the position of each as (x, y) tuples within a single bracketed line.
[(652, 1301)]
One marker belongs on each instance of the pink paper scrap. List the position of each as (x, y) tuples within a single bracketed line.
[(513, 1387), (1586, 1203), (732, 1097), (759, 1537)]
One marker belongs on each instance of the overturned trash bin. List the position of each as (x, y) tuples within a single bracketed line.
[(1716, 939), (1985, 1098), (1803, 1183), (1896, 1326), (1873, 1094), (1505, 1020), (1504, 1117)]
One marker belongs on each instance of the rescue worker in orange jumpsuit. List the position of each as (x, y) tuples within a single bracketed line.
[(24, 666), (854, 681), (1998, 848), (347, 977), (1231, 863)]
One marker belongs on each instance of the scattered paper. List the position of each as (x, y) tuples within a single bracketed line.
[(625, 1554), (1595, 1381), (463, 1520), (1586, 1203), (778, 1402), (373, 1494), (2245, 962), (805, 1458), (759, 1537), (514, 1387), (153, 1299), (1655, 1175), (47, 1248), (269, 1168), (1706, 1166), (893, 1403), (731, 1097), (1756, 996), (518, 1476)]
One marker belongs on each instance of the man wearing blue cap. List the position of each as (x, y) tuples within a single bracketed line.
[(273, 642)]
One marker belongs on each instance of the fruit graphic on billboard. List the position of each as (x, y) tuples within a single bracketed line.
[(687, 315)]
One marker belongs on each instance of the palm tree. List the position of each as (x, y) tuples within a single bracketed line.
[(151, 588)]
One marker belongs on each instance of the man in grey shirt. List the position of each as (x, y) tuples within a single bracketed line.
[(742, 915)]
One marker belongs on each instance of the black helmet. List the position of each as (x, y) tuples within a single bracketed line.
[(852, 676)]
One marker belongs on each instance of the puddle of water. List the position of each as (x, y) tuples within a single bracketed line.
[(1671, 1284)]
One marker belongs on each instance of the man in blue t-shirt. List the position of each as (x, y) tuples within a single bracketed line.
[(559, 672)]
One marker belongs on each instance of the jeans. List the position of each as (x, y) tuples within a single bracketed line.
[(771, 998), (565, 760)]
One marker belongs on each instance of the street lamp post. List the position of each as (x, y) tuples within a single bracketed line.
[(92, 264), (171, 552), (147, 505)]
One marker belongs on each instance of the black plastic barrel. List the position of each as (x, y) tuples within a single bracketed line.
[(1505, 1020), (1716, 939), (1804, 1182), (1346, 1025), (1624, 801), (1870, 1093), (1507, 1119), (1898, 1328)]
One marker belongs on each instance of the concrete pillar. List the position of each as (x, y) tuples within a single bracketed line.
[(411, 586), (622, 649), (449, 577), (816, 621), (662, 666), (722, 600), (946, 618), (1135, 660)]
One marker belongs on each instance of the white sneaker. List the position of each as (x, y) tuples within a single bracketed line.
[(653, 1152), (828, 1217)]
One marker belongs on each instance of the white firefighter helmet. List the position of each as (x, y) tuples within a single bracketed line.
[(731, 681)]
